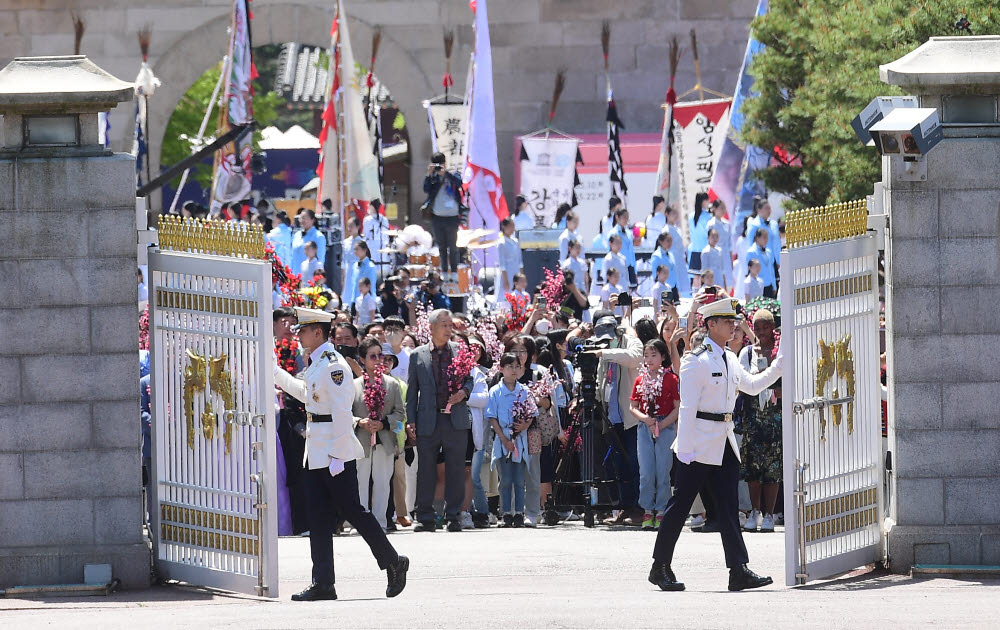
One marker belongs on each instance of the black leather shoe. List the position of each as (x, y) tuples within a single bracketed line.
[(518, 521), (480, 521), (397, 576), (425, 526), (710, 527), (661, 575), (506, 522), (455, 526), (315, 593), (742, 578)]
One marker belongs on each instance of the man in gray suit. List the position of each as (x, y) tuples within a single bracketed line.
[(428, 397)]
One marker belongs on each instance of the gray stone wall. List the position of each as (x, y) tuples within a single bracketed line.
[(944, 269), (70, 470), (532, 39)]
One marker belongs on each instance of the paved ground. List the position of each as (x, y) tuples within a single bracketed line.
[(565, 577)]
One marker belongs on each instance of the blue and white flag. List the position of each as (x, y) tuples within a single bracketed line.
[(734, 181)]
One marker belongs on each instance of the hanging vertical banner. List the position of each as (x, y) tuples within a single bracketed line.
[(699, 131), (548, 171), (232, 175), (447, 122), (735, 182)]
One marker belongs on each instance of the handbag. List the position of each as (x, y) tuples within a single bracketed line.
[(548, 425), (534, 440)]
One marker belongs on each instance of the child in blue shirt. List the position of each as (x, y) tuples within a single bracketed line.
[(510, 449)]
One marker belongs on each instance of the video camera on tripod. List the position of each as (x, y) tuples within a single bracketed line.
[(587, 362)]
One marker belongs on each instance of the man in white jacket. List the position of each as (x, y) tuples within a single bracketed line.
[(710, 379), (327, 389)]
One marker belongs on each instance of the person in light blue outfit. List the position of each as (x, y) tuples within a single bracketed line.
[(762, 219), (698, 230), (307, 219), (280, 237), (719, 223), (364, 268), (623, 230), (351, 239), (569, 233), (510, 448), (663, 256), (760, 251), (656, 222), (678, 251), (508, 257), (561, 217)]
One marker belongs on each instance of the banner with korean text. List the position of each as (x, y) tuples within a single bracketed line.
[(547, 175), (448, 132), (699, 131)]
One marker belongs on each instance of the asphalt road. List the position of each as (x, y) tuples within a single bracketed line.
[(562, 577)]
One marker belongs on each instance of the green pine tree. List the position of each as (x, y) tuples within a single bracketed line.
[(819, 69)]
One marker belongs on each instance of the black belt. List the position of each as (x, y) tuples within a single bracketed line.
[(715, 417), (315, 417)]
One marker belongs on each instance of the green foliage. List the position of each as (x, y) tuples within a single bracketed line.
[(182, 128), (819, 69)]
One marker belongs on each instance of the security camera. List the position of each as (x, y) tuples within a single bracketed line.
[(876, 111), (908, 132)]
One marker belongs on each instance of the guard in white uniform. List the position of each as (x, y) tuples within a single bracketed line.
[(327, 389), (706, 447)]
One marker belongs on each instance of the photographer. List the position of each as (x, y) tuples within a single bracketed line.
[(445, 207), (617, 371)]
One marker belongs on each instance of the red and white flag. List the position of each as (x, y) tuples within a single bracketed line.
[(487, 206), (361, 165)]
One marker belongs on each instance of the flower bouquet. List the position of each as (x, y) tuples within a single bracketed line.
[(650, 387), (422, 329), (374, 393), (524, 409), (518, 311), (459, 370), (488, 331), (553, 288)]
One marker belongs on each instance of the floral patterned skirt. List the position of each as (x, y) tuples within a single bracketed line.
[(761, 447)]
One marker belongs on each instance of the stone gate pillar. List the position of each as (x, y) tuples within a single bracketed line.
[(943, 272), (70, 470)]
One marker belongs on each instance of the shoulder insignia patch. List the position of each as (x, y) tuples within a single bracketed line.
[(327, 355), (337, 376), (701, 349)]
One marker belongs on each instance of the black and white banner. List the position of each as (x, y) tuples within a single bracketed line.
[(447, 122), (548, 174)]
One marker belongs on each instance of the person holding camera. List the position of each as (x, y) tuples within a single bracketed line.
[(445, 207), (706, 447), (616, 373)]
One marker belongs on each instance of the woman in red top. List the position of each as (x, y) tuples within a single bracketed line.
[(656, 402)]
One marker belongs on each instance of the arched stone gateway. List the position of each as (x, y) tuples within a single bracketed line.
[(181, 65)]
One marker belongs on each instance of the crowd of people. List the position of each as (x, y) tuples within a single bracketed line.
[(485, 430)]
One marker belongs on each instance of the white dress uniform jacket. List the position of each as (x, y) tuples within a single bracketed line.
[(327, 388), (710, 384)]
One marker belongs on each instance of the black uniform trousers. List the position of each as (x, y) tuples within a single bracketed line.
[(331, 498), (723, 480)]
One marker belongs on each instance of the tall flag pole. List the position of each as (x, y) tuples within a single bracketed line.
[(359, 163), (487, 206), (231, 179), (663, 168), (145, 85), (616, 169), (449, 42), (374, 115), (329, 171)]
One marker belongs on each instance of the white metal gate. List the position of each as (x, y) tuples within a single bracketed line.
[(831, 409), (213, 450)]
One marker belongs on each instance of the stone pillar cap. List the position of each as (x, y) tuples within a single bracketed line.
[(65, 83), (947, 61)]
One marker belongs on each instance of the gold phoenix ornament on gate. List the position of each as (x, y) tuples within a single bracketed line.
[(836, 361), (202, 371)]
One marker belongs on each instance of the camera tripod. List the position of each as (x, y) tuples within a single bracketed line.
[(585, 493)]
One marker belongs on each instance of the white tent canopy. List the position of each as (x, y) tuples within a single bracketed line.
[(295, 138)]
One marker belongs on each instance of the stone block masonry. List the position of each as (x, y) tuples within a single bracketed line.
[(70, 464)]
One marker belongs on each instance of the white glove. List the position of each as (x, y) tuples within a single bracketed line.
[(336, 467)]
